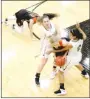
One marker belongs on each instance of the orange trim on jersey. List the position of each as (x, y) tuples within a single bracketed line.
[(61, 43), (35, 19)]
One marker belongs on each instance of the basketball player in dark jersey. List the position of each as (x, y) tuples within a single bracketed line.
[(30, 17)]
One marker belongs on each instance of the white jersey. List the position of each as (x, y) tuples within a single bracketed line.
[(51, 33), (45, 44), (76, 49), (75, 55)]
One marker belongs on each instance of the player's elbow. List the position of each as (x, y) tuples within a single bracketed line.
[(69, 46), (84, 37)]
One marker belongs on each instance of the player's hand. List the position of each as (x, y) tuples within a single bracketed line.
[(77, 25), (56, 46)]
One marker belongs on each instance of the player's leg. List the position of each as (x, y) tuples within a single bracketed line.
[(43, 61), (17, 29), (61, 90), (54, 71), (62, 70), (6, 21), (83, 71), (39, 69), (80, 67)]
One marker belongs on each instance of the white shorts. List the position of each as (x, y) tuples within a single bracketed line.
[(44, 49), (75, 59)]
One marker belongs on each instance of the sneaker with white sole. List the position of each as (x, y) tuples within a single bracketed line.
[(60, 92), (86, 76), (53, 74)]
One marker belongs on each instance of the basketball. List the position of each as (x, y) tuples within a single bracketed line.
[(60, 61)]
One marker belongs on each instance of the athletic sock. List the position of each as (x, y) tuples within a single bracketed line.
[(84, 72), (62, 86), (37, 75), (37, 78), (54, 66)]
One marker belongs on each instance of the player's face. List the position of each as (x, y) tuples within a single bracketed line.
[(72, 37), (46, 22)]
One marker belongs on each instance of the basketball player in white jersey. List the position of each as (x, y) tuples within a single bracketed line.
[(49, 30), (74, 56)]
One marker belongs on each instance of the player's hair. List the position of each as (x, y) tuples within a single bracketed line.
[(76, 32), (48, 15), (19, 22)]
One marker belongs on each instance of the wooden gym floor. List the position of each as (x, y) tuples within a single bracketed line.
[(18, 62)]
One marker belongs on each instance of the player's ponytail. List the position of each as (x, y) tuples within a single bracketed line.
[(47, 15), (50, 15)]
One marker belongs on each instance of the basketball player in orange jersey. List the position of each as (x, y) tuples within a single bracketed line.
[(60, 54), (21, 16), (24, 15), (74, 56)]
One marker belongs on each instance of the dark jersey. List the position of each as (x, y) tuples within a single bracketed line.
[(59, 53), (23, 14), (59, 48)]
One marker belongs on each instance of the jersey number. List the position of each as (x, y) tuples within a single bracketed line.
[(79, 48)]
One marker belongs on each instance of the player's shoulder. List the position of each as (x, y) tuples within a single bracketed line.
[(80, 41)]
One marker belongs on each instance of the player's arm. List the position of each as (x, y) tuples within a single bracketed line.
[(81, 31), (67, 46), (30, 25)]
